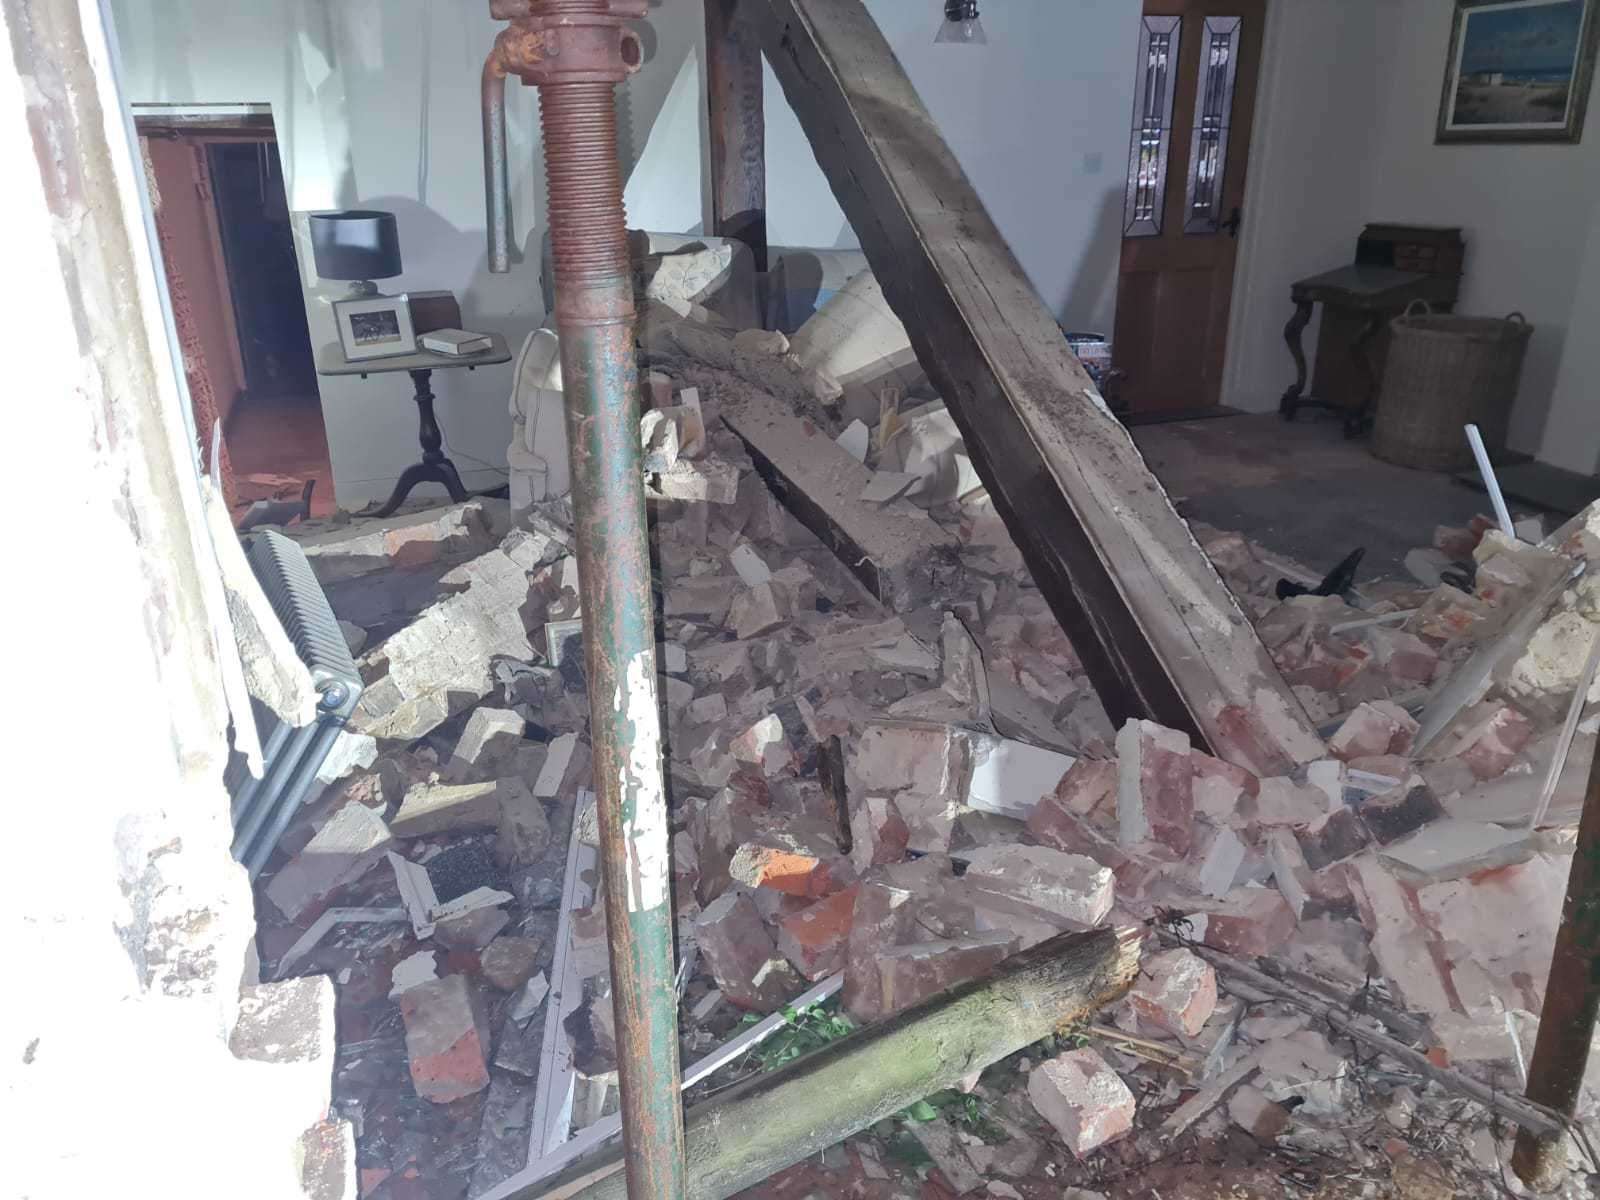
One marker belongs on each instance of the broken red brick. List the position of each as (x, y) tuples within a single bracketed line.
[(1176, 991), (446, 1040), (1250, 921), (910, 974), (1073, 886), (1402, 810), (815, 938), (1333, 838), (878, 833), (1491, 743), (1261, 1118), (1376, 727), (741, 956), (1155, 786), (883, 915), (791, 864), (1083, 1098)]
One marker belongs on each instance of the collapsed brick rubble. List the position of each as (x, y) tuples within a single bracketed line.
[(989, 804)]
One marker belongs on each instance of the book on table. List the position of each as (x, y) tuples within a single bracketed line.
[(455, 342)]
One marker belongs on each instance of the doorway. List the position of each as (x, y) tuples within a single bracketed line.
[(227, 250), (1194, 100)]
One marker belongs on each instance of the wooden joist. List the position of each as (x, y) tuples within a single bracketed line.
[(1158, 632)]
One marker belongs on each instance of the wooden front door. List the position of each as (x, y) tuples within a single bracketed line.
[(1195, 95)]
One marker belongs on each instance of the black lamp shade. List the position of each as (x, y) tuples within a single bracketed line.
[(355, 244)]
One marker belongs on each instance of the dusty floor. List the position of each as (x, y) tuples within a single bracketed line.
[(1304, 491)]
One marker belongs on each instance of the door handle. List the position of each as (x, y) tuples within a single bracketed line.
[(1232, 223)]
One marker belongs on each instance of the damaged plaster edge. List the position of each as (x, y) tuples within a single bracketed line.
[(79, 140)]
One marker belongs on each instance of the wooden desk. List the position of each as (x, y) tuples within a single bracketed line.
[(1395, 264), (434, 467)]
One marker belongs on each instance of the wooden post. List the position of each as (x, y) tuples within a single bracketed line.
[(772, 1121), (1571, 1003), (1157, 630), (738, 128)]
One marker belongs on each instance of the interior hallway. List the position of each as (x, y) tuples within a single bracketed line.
[(280, 438)]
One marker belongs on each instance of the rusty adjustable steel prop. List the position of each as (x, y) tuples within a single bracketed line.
[(576, 52)]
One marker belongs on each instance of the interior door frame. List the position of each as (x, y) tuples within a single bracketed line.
[(202, 125), (1242, 145)]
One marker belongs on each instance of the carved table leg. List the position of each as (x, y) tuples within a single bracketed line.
[(1291, 334), (434, 467), (1359, 419)]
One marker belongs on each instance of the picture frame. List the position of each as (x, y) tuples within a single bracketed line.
[(1518, 71), (375, 327)]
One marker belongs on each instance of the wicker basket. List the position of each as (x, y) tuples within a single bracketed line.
[(1444, 372)]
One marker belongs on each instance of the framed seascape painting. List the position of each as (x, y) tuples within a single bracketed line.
[(1519, 71)]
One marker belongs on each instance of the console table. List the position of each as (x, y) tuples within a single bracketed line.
[(434, 467), (1395, 264)]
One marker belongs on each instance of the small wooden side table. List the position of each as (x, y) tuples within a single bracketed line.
[(434, 467)]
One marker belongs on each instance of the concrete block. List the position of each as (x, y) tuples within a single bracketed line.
[(491, 736), (407, 541), (760, 609), (709, 480), (1451, 849), (1010, 777), (347, 845), (439, 664), (430, 808), (522, 834)]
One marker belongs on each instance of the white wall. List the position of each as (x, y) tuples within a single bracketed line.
[(1039, 120), (1525, 212), (376, 103), (1351, 98), (1302, 205)]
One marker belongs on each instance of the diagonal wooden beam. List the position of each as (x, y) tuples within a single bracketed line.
[(1158, 632)]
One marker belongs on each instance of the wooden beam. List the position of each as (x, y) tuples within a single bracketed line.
[(773, 1120), (1158, 632), (738, 128)]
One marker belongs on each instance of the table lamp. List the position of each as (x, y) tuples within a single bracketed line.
[(359, 245)]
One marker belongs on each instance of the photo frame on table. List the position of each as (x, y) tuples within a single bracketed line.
[(1518, 71), (375, 327)]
